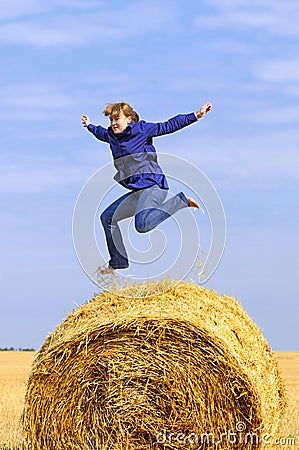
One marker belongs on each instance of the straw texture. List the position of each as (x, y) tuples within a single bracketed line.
[(140, 370)]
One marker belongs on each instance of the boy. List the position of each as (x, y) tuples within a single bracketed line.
[(135, 159)]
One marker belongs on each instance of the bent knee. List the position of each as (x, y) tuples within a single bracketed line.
[(141, 229), (140, 223)]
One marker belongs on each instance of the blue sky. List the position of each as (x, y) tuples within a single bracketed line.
[(61, 59)]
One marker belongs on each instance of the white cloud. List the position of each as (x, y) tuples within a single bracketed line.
[(278, 115), (34, 101), (269, 159), (265, 108), (292, 90), (278, 18), (279, 71), (36, 175), (132, 20), (18, 9), (282, 76), (231, 46), (257, 163)]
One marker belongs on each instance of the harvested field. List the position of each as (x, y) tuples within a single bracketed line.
[(14, 371), (289, 429)]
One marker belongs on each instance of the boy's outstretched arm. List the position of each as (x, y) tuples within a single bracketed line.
[(99, 132), (207, 107), (175, 123)]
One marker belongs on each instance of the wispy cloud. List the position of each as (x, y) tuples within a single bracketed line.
[(36, 174), (279, 114), (231, 46), (268, 160), (34, 101), (279, 70), (278, 18), (17, 9), (282, 76), (82, 26)]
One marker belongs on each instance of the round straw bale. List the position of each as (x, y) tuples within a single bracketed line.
[(133, 369)]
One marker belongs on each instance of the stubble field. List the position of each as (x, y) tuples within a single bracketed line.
[(15, 367)]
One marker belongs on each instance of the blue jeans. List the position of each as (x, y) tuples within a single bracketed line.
[(148, 207)]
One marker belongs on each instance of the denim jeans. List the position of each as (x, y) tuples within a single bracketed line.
[(148, 207)]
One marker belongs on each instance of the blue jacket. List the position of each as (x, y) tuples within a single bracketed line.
[(135, 157)]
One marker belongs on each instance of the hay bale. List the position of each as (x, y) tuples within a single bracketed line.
[(174, 370)]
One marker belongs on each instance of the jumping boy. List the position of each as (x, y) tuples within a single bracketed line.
[(135, 159)]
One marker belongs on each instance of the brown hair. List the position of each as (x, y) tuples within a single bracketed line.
[(113, 110)]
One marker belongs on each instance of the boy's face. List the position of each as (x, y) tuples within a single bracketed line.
[(120, 122)]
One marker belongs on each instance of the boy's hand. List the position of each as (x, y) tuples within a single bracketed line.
[(85, 121), (204, 110)]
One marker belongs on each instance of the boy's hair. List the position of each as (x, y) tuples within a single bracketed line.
[(113, 110)]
